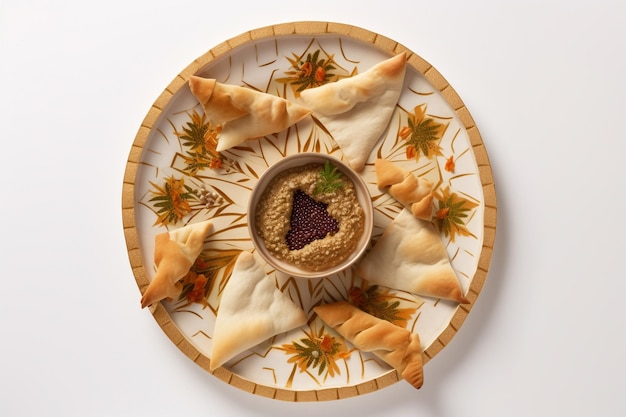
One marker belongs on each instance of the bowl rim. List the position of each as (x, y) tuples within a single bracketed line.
[(363, 195)]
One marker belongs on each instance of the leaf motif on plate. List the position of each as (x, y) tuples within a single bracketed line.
[(312, 68), (309, 71), (318, 350), (204, 275), (199, 137), (382, 303), (171, 200), (452, 212), (422, 134)]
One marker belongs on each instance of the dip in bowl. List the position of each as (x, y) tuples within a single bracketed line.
[(310, 216)]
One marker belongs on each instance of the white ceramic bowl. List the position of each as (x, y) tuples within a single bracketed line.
[(302, 159)]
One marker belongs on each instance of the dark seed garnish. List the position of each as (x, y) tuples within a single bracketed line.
[(309, 221)]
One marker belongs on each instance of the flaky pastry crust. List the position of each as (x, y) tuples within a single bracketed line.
[(394, 345)]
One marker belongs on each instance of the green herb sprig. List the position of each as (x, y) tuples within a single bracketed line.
[(330, 180)]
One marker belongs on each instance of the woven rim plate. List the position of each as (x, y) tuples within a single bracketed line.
[(173, 177)]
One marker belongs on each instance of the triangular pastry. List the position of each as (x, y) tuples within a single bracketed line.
[(242, 112), (414, 193), (394, 345), (251, 311), (174, 254), (410, 256), (357, 110)]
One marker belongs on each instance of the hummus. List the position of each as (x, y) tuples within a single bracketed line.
[(273, 218)]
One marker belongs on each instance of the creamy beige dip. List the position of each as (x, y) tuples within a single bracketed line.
[(274, 212)]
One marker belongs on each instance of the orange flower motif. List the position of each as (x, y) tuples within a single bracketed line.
[(181, 206), (200, 264), (307, 69), (199, 137), (171, 200), (311, 71), (381, 303), (405, 132), (326, 345), (410, 152), (422, 133), (450, 164), (442, 213), (453, 213), (318, 350), (320, 74), (216, 163), (357, 297), (196, 295)]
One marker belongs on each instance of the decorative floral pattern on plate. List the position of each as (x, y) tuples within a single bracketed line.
[(182, 179)]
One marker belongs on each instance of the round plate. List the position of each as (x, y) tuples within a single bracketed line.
[(174, 177)]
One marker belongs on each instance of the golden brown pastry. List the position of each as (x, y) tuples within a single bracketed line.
[(174, 254), (217, 100), (414, 193), (394, 345), (252, 309), (357, 110), (242, 112), (410, 256)]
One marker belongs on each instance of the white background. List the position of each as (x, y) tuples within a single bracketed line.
[(545, 83)]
